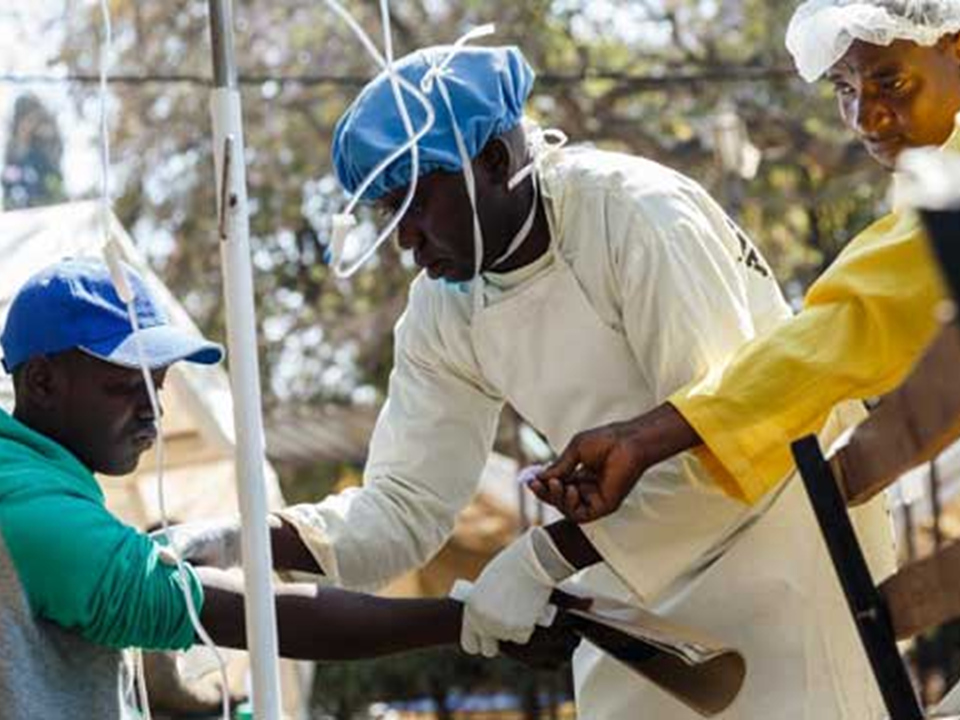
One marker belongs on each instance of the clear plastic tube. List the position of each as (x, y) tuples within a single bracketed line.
[(124, 289)]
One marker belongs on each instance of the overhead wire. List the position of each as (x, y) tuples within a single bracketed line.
[(724, 74)]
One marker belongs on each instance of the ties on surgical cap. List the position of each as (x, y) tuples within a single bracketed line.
[(344, 224), (822, 31), (482, 90)]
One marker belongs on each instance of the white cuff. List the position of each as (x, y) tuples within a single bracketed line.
[(461, 590), (551, 560)]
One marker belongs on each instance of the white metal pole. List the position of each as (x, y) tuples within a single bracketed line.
[(234, 231)]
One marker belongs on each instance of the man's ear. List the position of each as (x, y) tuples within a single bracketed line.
[(496, 159), (40, 381)]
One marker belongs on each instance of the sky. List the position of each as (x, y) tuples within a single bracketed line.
[(30, 39)]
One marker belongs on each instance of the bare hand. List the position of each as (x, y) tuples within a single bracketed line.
[(549, 648), (600, 467), (594, 473)]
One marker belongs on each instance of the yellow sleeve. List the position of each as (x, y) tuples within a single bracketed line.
[(863, 325)]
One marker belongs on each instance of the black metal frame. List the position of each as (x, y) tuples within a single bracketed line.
[(866, 605), (944, 230)]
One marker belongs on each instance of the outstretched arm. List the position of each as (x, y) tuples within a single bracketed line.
[(863, 325), (327, 624), (317, 623)]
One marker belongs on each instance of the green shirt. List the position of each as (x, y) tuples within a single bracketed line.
[(80, 567)]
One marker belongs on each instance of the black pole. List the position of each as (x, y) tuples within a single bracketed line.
[(944, 229), (869, 612)]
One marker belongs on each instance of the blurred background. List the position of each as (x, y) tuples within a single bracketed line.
[(705, 86)]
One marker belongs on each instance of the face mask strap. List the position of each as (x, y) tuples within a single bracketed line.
[(435, 76), (541, 143), (470, 182), (524, 232)]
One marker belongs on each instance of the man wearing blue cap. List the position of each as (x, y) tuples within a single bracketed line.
[(76, 584), (582, 287)]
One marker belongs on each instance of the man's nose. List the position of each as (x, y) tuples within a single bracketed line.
[(409, 236), (145, 407), (872, 117)]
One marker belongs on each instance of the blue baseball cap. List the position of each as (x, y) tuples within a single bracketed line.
[(73, 305), (488, 87)]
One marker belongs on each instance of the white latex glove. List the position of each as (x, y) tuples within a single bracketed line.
[(214, 543), (512, 594), (472, 642)]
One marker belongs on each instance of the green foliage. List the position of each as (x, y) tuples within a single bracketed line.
[(641, 76), (325, 339), (343, 689)]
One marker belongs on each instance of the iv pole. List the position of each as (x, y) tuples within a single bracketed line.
[(234, 233)]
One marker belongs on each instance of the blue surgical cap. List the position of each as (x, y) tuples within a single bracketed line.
[(488, 88)]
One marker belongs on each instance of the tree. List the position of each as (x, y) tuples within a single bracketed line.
[(644, 77), (32, 162)]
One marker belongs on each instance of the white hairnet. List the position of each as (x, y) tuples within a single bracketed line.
[(822, 31)]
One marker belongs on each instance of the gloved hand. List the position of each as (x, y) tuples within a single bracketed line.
[(472, 642), (512, 594), (214, 543)]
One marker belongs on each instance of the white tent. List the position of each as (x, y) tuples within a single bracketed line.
[(198, 429)]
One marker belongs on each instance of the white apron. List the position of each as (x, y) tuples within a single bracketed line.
[(764, 584)]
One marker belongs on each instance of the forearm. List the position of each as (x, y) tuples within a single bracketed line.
[(663, 432), (573, 544), (862, 327), (325, 624), (289, 551)]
